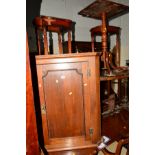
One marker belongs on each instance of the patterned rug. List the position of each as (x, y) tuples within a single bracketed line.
[(112, 148)]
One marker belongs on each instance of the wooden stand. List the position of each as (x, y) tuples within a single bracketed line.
[(52, 24), (106, 10)]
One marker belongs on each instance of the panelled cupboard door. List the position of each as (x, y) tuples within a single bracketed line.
[(65, 114), (66, 103)]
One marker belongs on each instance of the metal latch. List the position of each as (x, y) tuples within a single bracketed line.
[(43, 108), (91, 130), (88, 72)]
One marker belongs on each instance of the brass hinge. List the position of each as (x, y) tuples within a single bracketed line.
[(88, 72), (43, 108), (91, 130)]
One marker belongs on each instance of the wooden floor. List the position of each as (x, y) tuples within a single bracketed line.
[(116, 126)]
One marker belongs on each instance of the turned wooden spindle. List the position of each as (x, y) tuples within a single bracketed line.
[(38, 41), (117, 59), (60, 43), (45, 41), (104, 38), (92, 42)]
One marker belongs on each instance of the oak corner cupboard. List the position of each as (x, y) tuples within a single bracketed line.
[(69, 93)]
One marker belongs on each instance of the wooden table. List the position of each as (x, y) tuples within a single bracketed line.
[(114, 77), (104, 10), (53, 24), (112, 9)]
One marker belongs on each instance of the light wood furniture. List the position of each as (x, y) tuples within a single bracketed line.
[(32, 145), (52, 24), (69, 90)]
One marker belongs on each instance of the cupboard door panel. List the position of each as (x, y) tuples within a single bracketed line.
[(63, 91)]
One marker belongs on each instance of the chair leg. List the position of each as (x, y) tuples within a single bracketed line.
[(117, 59), (38, 41), (92, 43), (45, 41)]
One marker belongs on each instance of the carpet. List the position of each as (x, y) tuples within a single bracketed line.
[(112, 148)]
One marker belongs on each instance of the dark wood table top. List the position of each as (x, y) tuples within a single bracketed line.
[(109, 78), (112, 9)]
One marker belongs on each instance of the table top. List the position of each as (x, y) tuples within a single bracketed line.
[(112, 9), (115, 74), (116, 77), (53, 21)]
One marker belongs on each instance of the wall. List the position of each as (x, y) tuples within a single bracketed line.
[(32, 10), (123, 22), (69, 9)]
